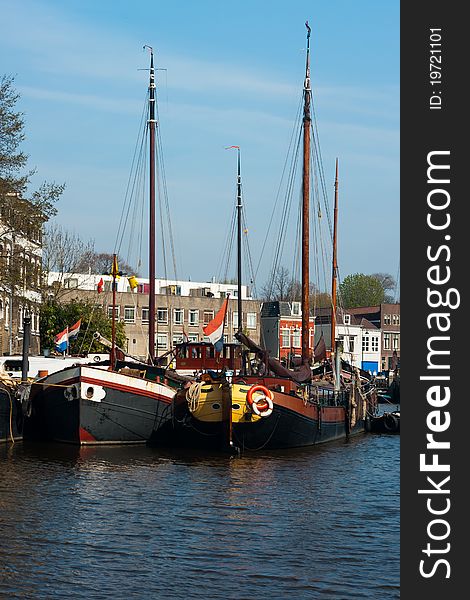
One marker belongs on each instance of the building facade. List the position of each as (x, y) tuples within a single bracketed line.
[(182, 311), (20, 276), (387, 318)]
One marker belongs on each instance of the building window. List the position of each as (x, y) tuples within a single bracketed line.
[(295, 309), (251, 320), (235, 319), (177, 339), (193, 337), (71, 283), (129, 314), (178, 316), (352, 339), (208, 316), (396, 341), (145, 314), (296, 338), (386, 341), (193, 318), (162, 341), (117, 312), (285, 337), (374, 343), (387, 319), (365, 343), (162, 315), (395, 319), (347, 319)]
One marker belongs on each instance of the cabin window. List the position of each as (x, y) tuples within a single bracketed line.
[(193, 317), (285, 337), (196, 352), (208, 316), (162, 341), (251, 320), (178, 316), (386, 341), (129, 314), (162, 315), (210, 352), (145, 315)]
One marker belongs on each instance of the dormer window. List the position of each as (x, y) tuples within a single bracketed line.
[(347, 319), (295, 309)]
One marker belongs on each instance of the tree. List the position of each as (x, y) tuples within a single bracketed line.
[(388, 284), (55, 317), (101, 263), (361, 290), (40, 206)]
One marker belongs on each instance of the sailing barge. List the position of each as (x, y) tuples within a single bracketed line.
[(257, 403), (117, 403)]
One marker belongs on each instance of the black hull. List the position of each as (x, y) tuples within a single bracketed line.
[(121, 415), (283, 429), (11, 418)]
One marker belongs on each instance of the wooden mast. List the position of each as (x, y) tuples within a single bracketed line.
[(306, 355), (239, 244), (152, 127), (335, 265)]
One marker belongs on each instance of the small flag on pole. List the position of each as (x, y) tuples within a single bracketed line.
[(133, 282), (99, 287), (215, 329), (115, 268)]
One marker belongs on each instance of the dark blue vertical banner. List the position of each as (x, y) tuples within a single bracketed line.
[(435, 256)]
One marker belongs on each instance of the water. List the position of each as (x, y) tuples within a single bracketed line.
[(140, 523)]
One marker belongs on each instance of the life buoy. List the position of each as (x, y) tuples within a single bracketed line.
[(263, 404)]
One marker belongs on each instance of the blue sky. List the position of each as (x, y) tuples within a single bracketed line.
[(233, 75)]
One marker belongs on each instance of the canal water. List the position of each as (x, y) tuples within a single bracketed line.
[(136, 522)]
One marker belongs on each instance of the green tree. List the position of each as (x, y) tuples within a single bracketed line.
[(361, 290), (55, 317)]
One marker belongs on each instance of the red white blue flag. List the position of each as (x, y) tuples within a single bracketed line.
[(215, 329), (61, 340), (73, 331)]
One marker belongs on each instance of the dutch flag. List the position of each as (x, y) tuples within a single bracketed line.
[(61, 340), (215, 329)]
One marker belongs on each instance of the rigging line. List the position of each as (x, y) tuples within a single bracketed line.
[(286, 211), (165, 195), (139, 137), (137, 193), (230, 242), (316, 138), (294, 130), (249, 257)]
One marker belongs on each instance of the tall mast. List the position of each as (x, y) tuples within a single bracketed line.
[(152, 123), (239, 236), (305, 209), (335, 264), (239, 244)]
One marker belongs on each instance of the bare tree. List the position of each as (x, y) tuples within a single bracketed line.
[(63, 252), (101, 263), (388, 284)]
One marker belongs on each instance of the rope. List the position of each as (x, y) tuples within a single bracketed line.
[(193, 394)]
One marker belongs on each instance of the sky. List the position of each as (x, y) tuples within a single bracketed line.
[(233, 75)]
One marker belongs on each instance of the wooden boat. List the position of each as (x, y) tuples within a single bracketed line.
[(264, 405), (116, 403)]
